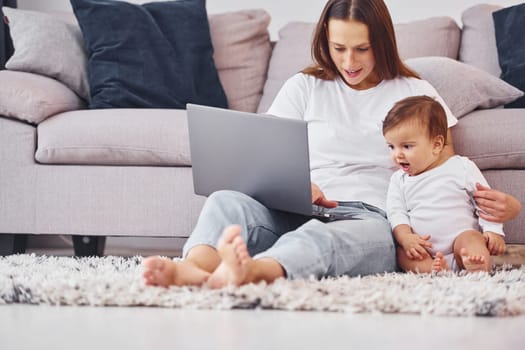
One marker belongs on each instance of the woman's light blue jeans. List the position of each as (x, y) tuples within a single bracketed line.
[(302, 245)]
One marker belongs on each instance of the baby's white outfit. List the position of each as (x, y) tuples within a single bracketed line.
[(437, 203)]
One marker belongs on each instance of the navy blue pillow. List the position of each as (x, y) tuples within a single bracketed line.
[(509, 24), (155, 55)]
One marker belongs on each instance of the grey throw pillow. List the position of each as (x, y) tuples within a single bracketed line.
[(463, 87), (48, 46)]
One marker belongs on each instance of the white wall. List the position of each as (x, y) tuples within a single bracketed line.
[(283, 11)]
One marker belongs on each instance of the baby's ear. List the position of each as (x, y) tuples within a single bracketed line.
[(439, 143)]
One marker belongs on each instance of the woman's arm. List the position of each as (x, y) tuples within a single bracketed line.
[(498, 206)]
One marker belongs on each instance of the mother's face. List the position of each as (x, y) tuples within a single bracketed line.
[(352, 54)]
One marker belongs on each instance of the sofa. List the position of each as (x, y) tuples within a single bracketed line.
[(93, 173)]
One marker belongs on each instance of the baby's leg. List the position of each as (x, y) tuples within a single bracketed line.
[(440, 263), (410, 265), (471, 252)]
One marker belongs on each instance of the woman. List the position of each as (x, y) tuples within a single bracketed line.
[(357, 78)]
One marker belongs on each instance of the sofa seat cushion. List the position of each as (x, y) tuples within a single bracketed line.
[(152, 137), (492, 138)]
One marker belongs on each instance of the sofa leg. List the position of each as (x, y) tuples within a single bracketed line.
[(89, 245), (12, 244)]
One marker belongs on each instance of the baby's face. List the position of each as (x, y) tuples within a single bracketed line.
[(412, 149)]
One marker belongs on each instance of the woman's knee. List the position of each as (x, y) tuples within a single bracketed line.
[(227, 201), (225, 197)]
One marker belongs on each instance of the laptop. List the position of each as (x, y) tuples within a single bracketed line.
[(263, 156)]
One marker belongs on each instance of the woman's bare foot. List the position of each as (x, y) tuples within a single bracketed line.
[(473, 263), (234, 255), (165, 272), (439, 263)]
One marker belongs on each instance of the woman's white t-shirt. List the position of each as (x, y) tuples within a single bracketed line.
[(349, 158)]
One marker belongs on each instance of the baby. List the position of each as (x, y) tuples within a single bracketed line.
[(429, 205)]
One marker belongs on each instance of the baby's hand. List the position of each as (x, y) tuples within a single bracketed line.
[(415, 246), (495, 243)]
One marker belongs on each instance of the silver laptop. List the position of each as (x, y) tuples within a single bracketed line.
[(263, 156)]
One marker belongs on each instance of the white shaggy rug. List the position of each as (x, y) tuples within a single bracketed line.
[(117, 281)]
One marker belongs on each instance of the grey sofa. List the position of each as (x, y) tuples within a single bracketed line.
[(67, 170)]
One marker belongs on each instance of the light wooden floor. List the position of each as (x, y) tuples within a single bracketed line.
[(26, 327)]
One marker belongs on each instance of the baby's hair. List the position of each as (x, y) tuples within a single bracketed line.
[(422, 109)]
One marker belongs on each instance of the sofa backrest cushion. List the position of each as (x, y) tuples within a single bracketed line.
[(153, 137), (437, 36), (492, 138), (478, 41), (155, 55), (242, 52), (290, 55)]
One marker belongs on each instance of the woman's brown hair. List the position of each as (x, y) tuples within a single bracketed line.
[(374, 14)]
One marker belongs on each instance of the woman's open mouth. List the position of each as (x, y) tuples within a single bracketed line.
[(353, 73)]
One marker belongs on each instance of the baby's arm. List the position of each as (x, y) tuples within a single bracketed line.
[(414, 245)]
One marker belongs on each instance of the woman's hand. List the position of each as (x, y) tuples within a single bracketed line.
[(496, 206), (319, 198)]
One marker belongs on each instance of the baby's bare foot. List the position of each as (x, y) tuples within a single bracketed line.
[(165, 272), (439, 263), (234, 255), (473, 263)]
